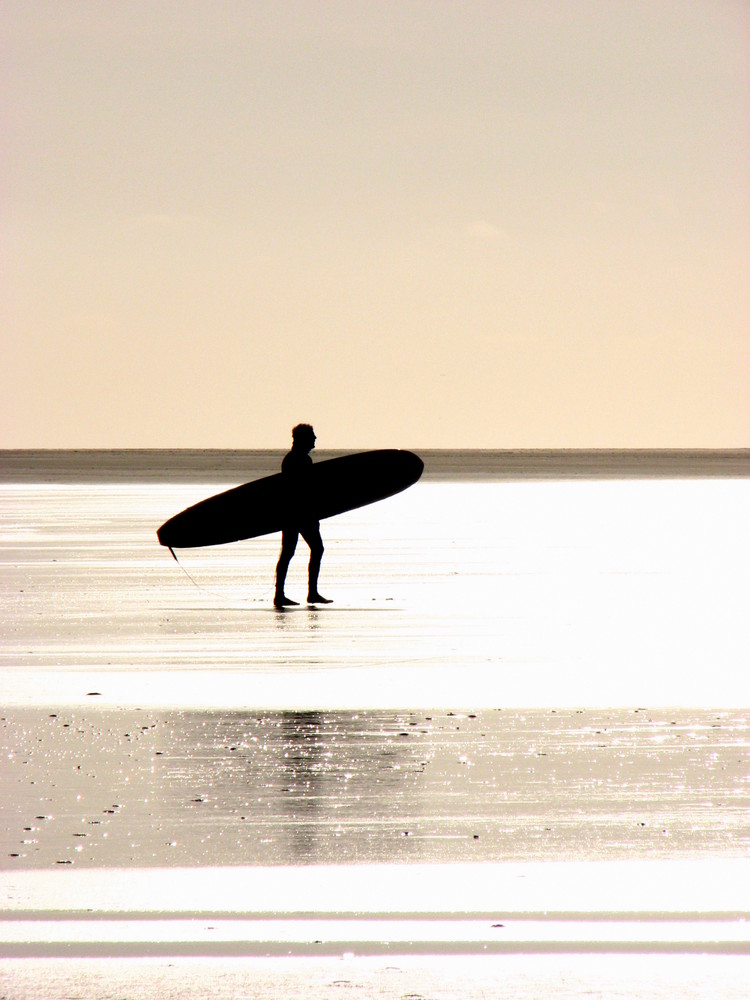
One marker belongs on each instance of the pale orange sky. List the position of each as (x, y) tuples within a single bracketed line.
[(420, 224)]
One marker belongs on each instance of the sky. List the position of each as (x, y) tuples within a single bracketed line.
[(482, 224)]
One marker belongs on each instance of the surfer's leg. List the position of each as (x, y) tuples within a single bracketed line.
[(289, 538), (311, 534)]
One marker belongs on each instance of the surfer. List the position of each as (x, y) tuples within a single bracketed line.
[(296, 470)]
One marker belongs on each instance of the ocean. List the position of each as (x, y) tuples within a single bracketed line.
[(511, 758)]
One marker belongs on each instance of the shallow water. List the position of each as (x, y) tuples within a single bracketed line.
[(454, 594)]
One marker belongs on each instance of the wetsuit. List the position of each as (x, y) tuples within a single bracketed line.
[(296, 470)]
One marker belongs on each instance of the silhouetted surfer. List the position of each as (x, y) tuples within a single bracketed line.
[(296, 470)]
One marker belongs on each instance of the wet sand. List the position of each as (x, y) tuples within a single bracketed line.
[(153, 788), (456, 595), (559, 977), (537, 720), (441, 854), (474, 930)]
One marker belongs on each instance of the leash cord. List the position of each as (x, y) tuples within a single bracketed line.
[(205, 590)]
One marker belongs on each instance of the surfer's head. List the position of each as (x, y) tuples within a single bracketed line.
[(303, 436)]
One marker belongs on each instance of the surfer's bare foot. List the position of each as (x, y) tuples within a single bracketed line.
[(318, 599), (282, 601)]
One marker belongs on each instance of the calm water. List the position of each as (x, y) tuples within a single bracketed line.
[(517, 672)]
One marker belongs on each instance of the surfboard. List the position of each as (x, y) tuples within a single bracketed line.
[(258, 508)]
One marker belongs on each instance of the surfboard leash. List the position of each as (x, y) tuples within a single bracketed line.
[(184, 570), (205, 590)]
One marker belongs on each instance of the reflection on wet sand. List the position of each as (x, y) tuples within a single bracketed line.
[(152, 788)]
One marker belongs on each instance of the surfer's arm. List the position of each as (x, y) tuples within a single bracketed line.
[(297, 475)]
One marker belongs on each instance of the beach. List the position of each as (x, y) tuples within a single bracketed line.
[(511, 759)]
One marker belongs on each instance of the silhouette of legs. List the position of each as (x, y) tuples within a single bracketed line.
[(311, 534), (289, 537)]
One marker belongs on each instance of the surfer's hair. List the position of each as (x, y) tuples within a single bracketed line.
[(302, 432)]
